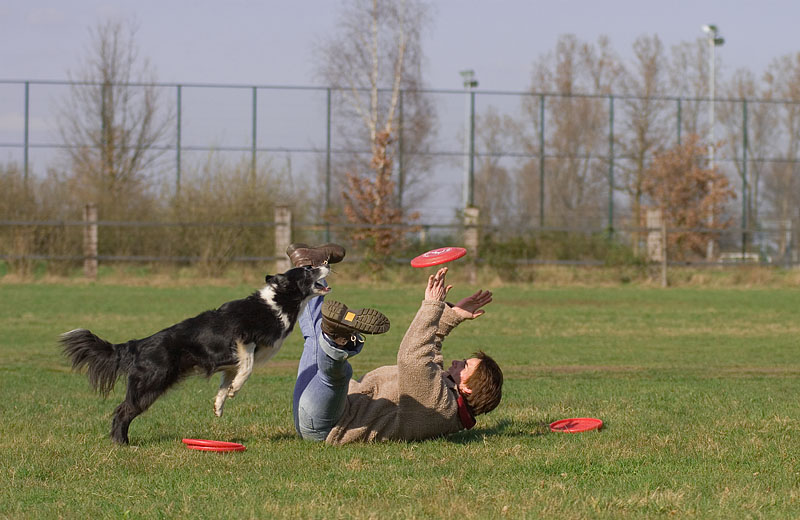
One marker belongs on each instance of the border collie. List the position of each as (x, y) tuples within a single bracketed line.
[(231, 339)]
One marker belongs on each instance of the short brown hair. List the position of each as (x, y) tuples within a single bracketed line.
[(486, 384)]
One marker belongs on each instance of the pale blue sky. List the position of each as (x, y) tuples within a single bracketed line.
[(263, 42), (272, 43)]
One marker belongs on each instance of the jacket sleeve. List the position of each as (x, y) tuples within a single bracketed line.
[(449, 320), (419, 359)]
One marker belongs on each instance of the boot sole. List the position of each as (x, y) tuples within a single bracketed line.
[(365, 321), (333, 257)]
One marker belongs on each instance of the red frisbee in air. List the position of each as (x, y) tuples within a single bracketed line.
[(209, 445), (438, 256), (576, 425)]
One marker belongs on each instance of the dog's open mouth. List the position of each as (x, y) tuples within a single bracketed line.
[(320, 288)]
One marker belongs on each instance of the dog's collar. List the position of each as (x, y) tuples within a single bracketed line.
[(467, 419)]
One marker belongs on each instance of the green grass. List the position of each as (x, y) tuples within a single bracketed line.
[(698, 389)]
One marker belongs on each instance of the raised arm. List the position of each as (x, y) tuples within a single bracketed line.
[(419, 359)]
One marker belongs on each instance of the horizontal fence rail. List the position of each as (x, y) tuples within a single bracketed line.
[(298, 122), (423, 235)]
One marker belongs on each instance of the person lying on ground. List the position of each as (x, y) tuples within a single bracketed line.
[(413, 400)]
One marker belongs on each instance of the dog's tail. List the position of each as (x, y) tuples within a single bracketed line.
[(103, 359)]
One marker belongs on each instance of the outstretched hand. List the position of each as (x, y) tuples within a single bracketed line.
[(437, 289), (470, 307)]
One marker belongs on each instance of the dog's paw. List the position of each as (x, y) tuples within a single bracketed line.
[(219, 402)]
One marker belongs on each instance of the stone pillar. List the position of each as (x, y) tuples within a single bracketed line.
[(654, 242), (423, 235), (283, 237), (657, 241), (90, 241)]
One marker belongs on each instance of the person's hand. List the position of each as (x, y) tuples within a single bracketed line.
[(470, 307), (437, 289)]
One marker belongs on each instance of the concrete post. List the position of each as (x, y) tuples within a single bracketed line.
[(657, 241), (471, 239), (283, 237), (654, 249), (90, 241)]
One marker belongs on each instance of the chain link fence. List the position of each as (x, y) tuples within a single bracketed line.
[(534, 163)]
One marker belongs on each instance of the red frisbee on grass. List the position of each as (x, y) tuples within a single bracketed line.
[(209, 445), (438, 256), (214, 448), (576, 425)]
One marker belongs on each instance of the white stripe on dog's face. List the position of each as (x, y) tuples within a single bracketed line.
[(268, 295)]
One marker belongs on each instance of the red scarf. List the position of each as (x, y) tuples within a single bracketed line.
[(467, 419)]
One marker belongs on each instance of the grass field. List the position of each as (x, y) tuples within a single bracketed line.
[(698, 389)]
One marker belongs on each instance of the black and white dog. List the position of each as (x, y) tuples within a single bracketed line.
[(232, 339)]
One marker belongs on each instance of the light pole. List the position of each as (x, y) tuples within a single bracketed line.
[(470, 83), (714, 41)]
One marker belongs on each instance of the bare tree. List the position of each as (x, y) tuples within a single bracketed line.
[(495, 188), (375, 60), (110, 127), (782, 185), (643, 130), (688, 77), (577, 131), (755, 113)]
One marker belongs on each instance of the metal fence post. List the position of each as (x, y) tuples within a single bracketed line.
[(26, 138), (255, 127), (283, 237), (178, 146), (106, 128), (400, 165), (328, 168), (744, 177), (471, 180), (541, 160), (90, 241), (610, 166)]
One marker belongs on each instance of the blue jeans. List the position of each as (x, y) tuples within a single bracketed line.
[(323, 376)]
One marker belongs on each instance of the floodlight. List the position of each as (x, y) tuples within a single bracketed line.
[(469, 78)]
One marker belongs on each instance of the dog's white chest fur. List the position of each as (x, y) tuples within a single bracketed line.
[(268, 295), (251, 355)]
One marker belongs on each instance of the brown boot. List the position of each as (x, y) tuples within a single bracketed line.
[(342, 325), (303, 254)]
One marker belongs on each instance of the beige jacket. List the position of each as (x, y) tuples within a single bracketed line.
[(413, 400)]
